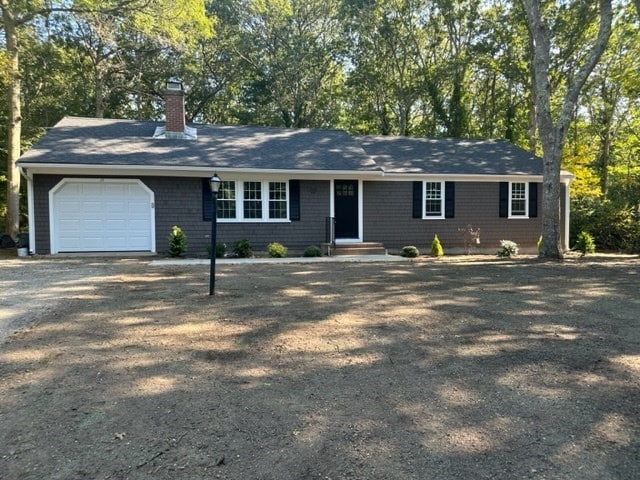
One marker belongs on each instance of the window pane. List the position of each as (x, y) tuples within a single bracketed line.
[(227, 200), (277, 200), (433, 199), (252, 200), (518, 198)]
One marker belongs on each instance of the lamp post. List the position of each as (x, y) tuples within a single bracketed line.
[(215, 183)]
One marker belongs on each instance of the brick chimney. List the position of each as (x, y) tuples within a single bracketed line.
[(174, 107)]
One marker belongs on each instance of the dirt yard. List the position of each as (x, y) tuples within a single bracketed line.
[(461, 368)]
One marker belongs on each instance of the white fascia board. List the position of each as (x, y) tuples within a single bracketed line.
[(462, 177), (162, 171)]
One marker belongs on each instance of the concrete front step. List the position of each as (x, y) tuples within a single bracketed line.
[(364, 248)]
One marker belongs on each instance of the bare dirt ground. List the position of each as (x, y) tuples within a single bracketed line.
[(461, 368)]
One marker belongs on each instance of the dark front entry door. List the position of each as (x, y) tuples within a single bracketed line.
[(346, 208)]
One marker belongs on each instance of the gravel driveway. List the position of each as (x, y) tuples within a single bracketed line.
[(31, 287)]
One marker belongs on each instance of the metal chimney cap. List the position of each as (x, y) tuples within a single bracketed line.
[(174, 84)]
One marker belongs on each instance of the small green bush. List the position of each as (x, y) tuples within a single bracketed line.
[(508, 249), (242, 249), (277, 250), (312, 251), (436, 247), (177, 241), (539, 244), (410, 251), (585, 243), (221, 250)]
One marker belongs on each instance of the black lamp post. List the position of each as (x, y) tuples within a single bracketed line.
[(215, 182)]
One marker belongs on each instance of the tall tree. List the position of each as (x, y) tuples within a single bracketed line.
[(294, 50), (157, 17), (553, 124)]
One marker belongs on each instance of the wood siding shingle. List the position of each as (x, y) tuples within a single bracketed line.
[(178, 201), (388, 218)]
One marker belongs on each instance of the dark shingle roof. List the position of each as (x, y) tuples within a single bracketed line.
[(89, 141), (108, 142), (450, 156)]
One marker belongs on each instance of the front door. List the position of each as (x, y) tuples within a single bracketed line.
[(346, 208)]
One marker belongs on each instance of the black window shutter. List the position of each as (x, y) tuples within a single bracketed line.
[(417, 199), (504, 199), (207, 201), (533, 200), (449, 199), (294, 200)]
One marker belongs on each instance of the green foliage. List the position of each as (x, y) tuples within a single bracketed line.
[(410, 251), (436, 247), (276, 250), (312, 251), (177, 241), (242, 249), (508, 249), (539, 243), (616, 227), (221, 250), (585, 243)]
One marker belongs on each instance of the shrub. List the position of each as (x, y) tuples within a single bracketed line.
[(312, 251), (242, 249), (508, 249), (539, 244), (410, 251), (471, 237), (436, 247), (276, 250), (221, 250), (177, 241), (585, 243), (615, 227)]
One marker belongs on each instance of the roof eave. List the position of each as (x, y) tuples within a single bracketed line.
[(163, 171)]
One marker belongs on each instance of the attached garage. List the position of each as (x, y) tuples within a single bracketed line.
[(101, 215)]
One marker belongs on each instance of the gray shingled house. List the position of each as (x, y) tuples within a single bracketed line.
[(103, 185)]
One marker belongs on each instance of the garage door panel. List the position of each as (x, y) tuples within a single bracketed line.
[(102, 216)]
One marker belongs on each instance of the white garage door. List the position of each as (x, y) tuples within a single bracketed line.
[(101, 215)]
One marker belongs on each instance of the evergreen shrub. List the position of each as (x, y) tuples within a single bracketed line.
[(312, 251), (277, 250), (242, 249), (177, 241), (436, 247), (410, 251)]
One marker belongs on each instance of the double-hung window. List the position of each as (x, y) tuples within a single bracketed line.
[(278, 200), (252, 201), (227, 200), (434, 200), (518, 200)]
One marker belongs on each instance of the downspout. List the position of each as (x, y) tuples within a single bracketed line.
[(30, 210), (567, 212)]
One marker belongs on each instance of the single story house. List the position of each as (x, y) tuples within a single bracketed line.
[(105, 185)]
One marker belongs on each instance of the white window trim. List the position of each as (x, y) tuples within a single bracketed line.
[(264, 199), (526, 201), (424, 200)]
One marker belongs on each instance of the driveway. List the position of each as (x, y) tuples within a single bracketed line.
[(458, 368)]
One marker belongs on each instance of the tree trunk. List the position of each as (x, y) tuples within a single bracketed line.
[(99, 100), (12, 221), (552, 134)]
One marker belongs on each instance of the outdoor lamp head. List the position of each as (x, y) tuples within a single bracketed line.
[(215, 183)]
